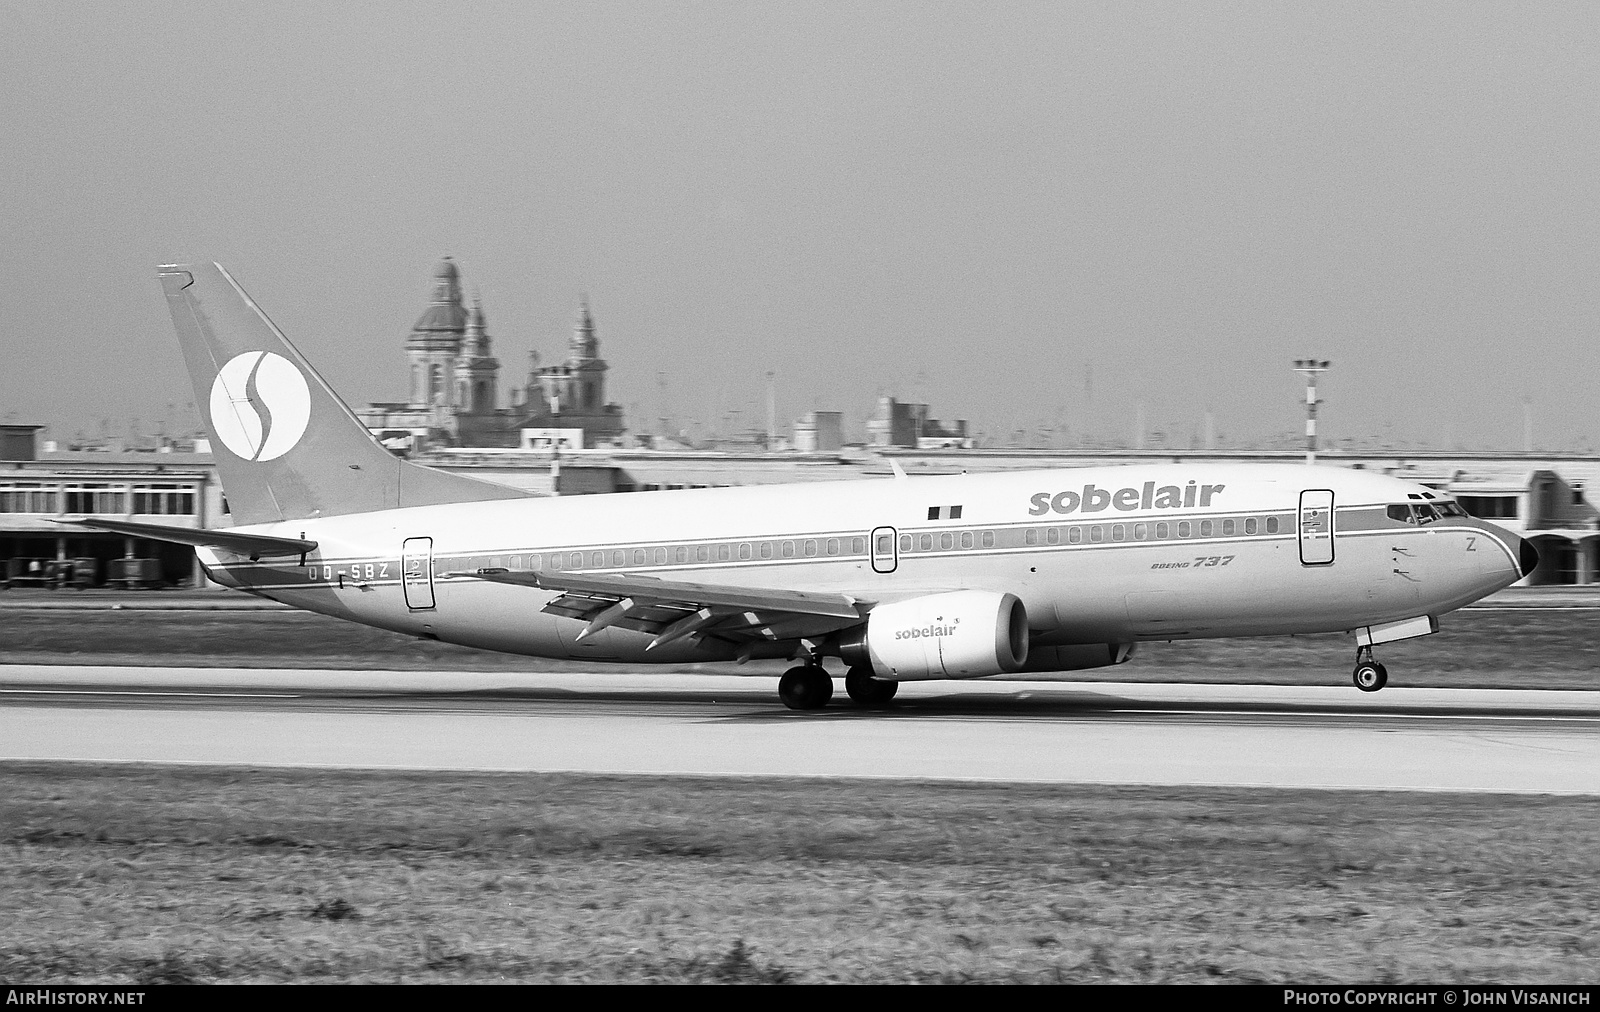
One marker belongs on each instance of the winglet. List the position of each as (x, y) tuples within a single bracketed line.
[(899, 472)]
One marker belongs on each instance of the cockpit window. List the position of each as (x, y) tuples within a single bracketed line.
[(1421, 513)]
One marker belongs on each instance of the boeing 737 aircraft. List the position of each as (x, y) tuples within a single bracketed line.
[(1017, 575)]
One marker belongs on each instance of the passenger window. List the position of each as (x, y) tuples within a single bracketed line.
[(966, 539), (1117, 532), (1030, 537), (1140, 531), (1162, 532), (947, 540), (555, 560), (924, 542), (744, 550), (724, 553), (905, 542), (638, 556), (1074, 535), (1183, 528), (988, 539), (1053, 536), (858, 546), (576, 562), (1227, 527), (1272, 525), (1250, 525), (535, 562), (1205, 528), (702, 553), (766, 549), (661, 556), (1097, 534), (787, 549), (810, 548), (617, 557), (833, 546), (516, 562)]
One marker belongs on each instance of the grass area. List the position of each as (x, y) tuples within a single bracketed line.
[(1540, 648), (161, 875)]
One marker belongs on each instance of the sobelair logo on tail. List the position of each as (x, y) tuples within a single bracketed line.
[(1095, 500), (260, 405)]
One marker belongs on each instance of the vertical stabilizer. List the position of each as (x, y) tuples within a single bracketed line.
[(286, 446)]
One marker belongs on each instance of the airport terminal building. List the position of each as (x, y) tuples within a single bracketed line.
[(1541, 497)]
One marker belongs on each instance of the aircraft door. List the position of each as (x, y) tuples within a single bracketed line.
[(416, 568), (1316, 527), (885, 554)]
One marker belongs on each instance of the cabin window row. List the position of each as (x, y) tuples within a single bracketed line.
[(1163, 530), (680, 555)]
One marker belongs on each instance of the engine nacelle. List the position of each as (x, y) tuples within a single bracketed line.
[(1075, 657), (963, 634)]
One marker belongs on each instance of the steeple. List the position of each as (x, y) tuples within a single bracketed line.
[(584, 346), (477, 371), (476, 344)]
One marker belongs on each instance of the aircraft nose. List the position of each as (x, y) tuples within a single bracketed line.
[(1527, 557)]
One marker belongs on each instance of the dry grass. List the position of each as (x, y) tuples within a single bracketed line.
[(1546, 649), (147, 874)]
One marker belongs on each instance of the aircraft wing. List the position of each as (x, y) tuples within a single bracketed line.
[(254, 545), (672, 609)]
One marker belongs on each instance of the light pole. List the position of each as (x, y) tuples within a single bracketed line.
[(1310, 367), (555, 444)]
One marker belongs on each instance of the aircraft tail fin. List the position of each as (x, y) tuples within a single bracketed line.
[(286, 446)]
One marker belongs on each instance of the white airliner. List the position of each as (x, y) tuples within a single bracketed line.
[(1017, 575)]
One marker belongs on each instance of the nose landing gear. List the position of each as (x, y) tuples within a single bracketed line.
[(1369, 675)]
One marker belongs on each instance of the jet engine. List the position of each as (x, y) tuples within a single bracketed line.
[(963, 634)]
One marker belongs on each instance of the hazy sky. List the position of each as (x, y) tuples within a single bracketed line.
[(978, 205)]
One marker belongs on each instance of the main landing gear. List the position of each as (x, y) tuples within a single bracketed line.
[(809, 687), (1369, 675), (865, 689)]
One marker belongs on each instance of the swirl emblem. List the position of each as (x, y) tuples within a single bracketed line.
[(260, 405)]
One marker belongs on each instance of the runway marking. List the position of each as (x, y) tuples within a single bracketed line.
[(1570, 718), (150, 692)]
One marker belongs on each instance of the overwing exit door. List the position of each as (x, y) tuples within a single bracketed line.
[(416, 573), (1316, 527)]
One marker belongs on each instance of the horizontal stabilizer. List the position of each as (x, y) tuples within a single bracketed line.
[(253, 545)]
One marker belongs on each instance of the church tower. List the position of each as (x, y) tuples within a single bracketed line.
[(436, 341), (477, 371), (586, 389)]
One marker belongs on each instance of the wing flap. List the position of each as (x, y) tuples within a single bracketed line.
[(614, 587), (671, 609)]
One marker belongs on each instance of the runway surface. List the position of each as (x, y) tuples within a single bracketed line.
[(1086, 732)]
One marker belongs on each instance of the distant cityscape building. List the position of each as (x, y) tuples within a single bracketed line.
[(455, 379), (819, 432), (908, 425)]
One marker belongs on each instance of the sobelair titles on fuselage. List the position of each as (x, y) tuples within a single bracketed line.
[(1017, 574)]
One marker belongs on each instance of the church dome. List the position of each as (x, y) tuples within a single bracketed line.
[(446, 313)]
